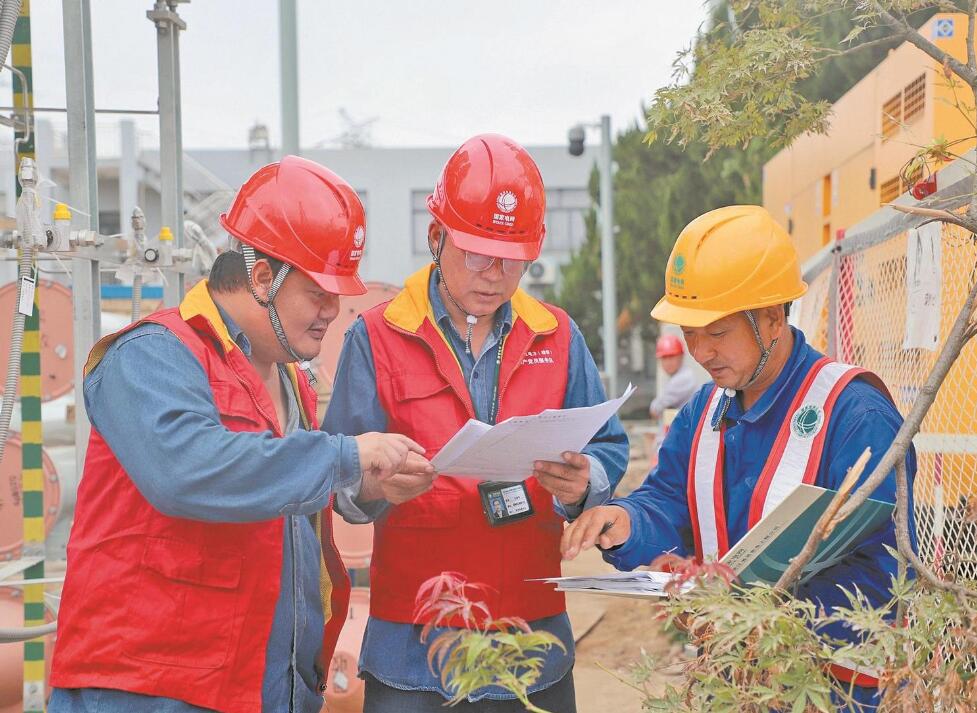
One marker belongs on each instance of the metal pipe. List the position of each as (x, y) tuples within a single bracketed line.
[(289, 60), (83, 192), (168, 26), (16, 635), (8, 21), (608, 281)]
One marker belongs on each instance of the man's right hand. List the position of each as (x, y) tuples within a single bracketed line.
[(393, 467), (588, 530), (384, 454)]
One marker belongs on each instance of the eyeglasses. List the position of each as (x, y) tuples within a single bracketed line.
[(476, 262)]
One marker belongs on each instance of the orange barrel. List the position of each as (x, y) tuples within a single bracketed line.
[(354, 542), (344, 689), (57, 343), (12, 655), (350, 307), (11, 506)]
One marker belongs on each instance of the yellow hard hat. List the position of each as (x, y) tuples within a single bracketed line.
[(726, 261)]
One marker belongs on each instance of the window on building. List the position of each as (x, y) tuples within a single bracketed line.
[(914, 98), (566, 227), (110, 222), (420, 220), (891, 116), (890, 190)]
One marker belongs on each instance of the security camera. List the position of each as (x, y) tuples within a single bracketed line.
[(576, 136)]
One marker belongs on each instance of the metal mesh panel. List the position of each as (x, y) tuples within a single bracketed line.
[(870, 329), (811, 311)]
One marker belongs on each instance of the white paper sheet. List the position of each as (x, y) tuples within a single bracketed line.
[(924, 280), (507, 450), (632, 584)]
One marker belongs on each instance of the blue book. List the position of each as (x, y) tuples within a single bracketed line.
[(766, 550)]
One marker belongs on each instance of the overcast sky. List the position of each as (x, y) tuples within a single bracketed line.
[(432, 72)]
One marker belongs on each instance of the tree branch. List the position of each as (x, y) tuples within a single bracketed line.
[(971, 58), (826, 523), (944, 216), (900, 25), (888, 39)]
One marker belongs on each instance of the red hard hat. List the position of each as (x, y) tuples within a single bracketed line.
[(305, 215), (490, 198), (668, 345)]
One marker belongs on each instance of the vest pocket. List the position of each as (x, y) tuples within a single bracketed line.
[(184, 604)]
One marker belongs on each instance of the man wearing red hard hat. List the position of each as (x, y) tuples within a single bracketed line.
[(201, 569), (681, 382), (463, 341)]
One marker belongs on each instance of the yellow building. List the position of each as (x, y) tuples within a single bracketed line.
[(823, 184)]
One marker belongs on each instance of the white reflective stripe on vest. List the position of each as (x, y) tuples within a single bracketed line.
[(797, 453), (706, 457)]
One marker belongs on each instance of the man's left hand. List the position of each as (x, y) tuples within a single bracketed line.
[(568, 480)]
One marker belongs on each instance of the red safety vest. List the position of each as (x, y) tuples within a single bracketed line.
[(165, 606), (794, 459), (423, 392)]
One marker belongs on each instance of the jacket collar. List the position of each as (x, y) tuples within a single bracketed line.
[(408, 310), (199, 309)]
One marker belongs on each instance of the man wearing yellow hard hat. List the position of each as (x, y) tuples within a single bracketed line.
[(777, 414)]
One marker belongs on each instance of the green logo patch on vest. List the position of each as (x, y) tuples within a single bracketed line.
[(807, 421)]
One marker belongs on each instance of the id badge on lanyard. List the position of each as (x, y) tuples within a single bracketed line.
[(505, 502)]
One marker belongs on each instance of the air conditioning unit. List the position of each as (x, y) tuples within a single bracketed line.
[(542, 272)]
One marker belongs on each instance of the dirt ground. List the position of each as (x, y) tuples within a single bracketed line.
[(611, 631)]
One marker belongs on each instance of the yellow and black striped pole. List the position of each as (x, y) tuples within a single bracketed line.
[(30, 401)]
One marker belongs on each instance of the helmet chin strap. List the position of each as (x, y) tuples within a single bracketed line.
[(269, 304), (470, 319), (765, 353)]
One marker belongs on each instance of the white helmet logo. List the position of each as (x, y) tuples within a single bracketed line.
[(359, 237), (506, 202)]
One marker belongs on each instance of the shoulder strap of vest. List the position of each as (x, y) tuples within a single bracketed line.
[(705, 485)]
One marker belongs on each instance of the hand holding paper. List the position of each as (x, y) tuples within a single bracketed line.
[(508, 450)]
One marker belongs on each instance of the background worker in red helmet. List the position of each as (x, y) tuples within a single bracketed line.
[(681, 383), (201, 569), (462, 341)]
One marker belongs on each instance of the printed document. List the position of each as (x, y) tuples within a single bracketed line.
[(507, 450)]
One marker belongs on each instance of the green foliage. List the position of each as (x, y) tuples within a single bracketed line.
[(483, 651), (771, 68), (760, 649)]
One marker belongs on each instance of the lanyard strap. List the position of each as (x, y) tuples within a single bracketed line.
[(495, 382)]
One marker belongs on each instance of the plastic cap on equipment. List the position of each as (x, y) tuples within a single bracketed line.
[(61, 212), (165, 233)]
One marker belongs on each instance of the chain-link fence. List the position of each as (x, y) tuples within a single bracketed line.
[(885, 297)]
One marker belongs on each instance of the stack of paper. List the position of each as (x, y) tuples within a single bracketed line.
[(507, 450), (625, 584)]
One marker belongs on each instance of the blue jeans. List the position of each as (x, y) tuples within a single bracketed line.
[(380, 698)]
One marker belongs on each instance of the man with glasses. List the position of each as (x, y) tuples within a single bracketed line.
[(462, 341)]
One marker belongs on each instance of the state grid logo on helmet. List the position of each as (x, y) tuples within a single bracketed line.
[(807, 421), (506, 202), (359, 237)]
